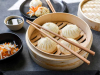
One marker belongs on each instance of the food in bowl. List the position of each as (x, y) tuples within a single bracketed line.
[(70, 31), (14, 21), (65, 29), (41, 11), (51, 27), (36, 9), (35, 3), (91, 9), (8, 49), (32, 10), (67, 44), (47, 45)]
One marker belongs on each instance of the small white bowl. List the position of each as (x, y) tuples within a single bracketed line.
[(14, 27)]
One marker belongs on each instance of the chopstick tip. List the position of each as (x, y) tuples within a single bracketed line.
[(88, 62), (93, 53)]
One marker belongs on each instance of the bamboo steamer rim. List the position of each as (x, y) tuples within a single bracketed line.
[(71, 55), (80, 9)]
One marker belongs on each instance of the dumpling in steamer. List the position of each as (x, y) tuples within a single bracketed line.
[(72, 47), (41, 11), (47, 45), (70, 31), (35, 3), (52, 27)]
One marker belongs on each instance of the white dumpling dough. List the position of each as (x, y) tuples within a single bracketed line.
[(70, 31), (41, 11), (52, 27), (72, 47), (47, 45), (35, 3)]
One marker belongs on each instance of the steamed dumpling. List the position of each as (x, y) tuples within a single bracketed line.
[(47, 45), (72, 47), (52, 27), (70, 31), (41, 11), (35, 3)]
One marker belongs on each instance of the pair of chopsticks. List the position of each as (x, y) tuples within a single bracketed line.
[(75, 53)]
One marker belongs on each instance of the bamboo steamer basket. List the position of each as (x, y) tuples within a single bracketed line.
[(53, 61), (95, 25)]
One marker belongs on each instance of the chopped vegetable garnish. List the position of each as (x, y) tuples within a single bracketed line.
[(33, 10), (7, 49)]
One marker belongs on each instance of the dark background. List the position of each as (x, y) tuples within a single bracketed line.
[(24, 62)]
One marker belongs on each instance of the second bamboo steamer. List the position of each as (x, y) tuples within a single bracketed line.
[(59, 62), (89, 11)]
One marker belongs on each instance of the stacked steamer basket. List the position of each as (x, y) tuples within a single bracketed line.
[(89, 11), (57, 61)]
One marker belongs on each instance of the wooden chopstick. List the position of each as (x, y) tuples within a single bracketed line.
[(51, 6), (75, 53), (77, 45)]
